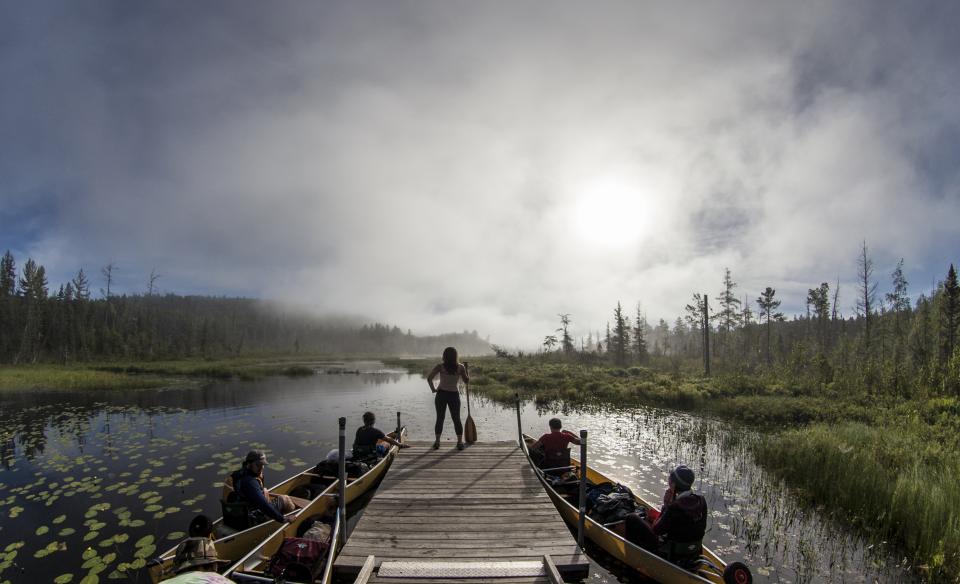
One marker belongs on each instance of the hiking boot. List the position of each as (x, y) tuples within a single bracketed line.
[(436, 445), (459, 445)]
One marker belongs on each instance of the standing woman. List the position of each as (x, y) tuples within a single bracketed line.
[(448, 394)]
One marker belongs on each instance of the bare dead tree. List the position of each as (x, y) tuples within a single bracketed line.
[(107, 272), (151, 284)]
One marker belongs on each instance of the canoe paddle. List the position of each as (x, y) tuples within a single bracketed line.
[(470, 429)]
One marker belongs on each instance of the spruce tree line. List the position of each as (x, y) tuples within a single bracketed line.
[(70, 325), (888, 346)]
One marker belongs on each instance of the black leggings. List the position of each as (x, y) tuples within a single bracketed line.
[(449, 399)]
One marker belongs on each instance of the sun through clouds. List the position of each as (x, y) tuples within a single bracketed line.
[(616, 212)]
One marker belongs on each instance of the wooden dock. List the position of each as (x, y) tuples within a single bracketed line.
[(476, 515)]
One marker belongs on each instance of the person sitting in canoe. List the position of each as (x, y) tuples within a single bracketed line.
[(365, 442), (197, 562), (676, 532), (200, 526), (246, 485), (556, 445)]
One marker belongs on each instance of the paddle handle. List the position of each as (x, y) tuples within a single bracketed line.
[(466, 369)]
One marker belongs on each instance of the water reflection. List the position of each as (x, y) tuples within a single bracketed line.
[(86, 477)]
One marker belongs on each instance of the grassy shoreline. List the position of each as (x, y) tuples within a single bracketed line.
[(108, 375)]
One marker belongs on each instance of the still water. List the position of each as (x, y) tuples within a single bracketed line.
[(93, 484)]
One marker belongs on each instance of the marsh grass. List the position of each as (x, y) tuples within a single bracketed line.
[(890, 481), (59, 377), (149, 374)]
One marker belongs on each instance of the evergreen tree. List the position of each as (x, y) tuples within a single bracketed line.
[(949, 315), (8, 302), (768, 304), (834, 312), (81, 286), (566, 341), (33, 290), (620, 337), (897, 298), (549, 342), (729, 314), (663, 336), (640, 336), (33, 282), (819, 300), (8, 275), (921, 339), (866, 295), (693, 315)]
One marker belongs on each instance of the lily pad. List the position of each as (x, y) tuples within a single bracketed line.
[(63, 579), (66, 531), (42, 529), (137, 564), (58, 520), (144, 541), (91, 535), (146, 551), (175, 535), (121, 537), (89, 553)]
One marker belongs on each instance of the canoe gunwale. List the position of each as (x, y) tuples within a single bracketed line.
[(675, 572)]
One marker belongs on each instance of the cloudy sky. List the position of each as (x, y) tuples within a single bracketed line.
[(449, 165)]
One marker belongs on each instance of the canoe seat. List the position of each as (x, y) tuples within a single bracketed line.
[(556, 461), (236, 514), (681, 553)]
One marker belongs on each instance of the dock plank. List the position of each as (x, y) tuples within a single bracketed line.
[(482, 504)]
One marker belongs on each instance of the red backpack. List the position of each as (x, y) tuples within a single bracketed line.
[(298, 557)]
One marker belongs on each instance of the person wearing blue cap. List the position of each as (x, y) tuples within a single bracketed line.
[(677, 531)]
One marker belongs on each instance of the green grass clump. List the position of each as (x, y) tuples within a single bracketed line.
[(891, 481), (64, 377), (146, 374)]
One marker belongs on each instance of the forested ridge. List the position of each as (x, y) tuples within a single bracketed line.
[(70, 325)]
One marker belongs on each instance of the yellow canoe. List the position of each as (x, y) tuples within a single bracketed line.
[(710, 569), (250, 568), (232, 546)]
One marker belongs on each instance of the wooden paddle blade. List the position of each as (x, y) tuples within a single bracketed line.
[(470, 431)]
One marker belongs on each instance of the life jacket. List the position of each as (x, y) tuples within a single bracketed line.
[(686, 525), (230, 486)]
